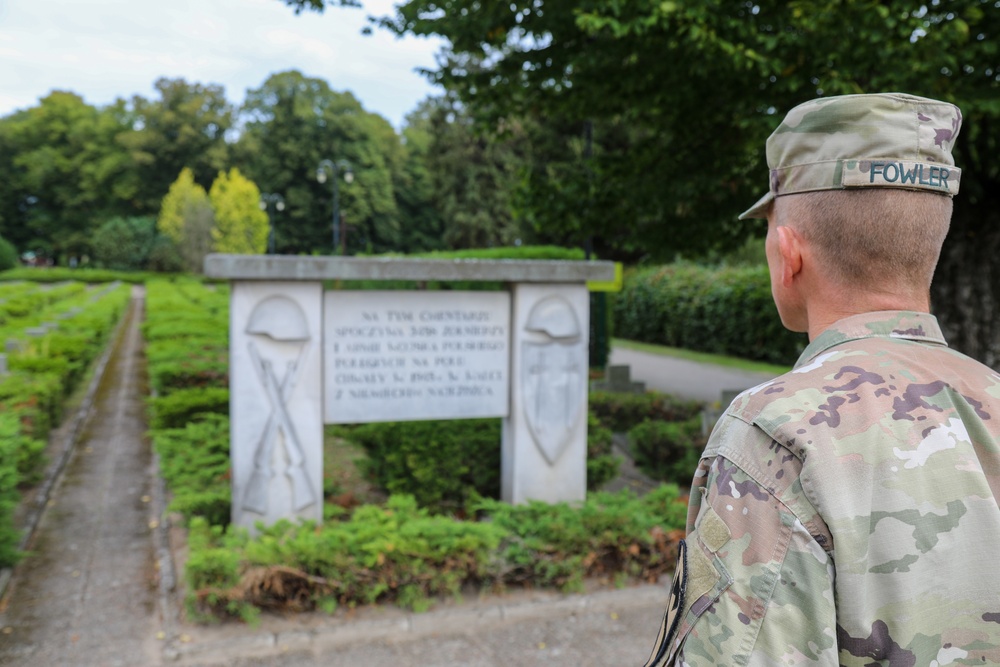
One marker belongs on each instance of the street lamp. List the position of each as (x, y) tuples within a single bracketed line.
[(321, 176), (278, 203)]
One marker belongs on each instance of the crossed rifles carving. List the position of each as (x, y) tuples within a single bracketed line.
[(280, 319)]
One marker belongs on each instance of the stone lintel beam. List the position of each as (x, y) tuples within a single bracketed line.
[(293, 267)]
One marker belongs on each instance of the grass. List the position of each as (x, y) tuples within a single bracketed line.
[(701, 357)]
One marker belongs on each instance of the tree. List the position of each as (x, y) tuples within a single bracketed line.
[(62, 171), (182, 193), (473, 177), (422, 226), (185, 127), (187, 220), (292, 123), (702, 84), (124, 244), (241, 227)]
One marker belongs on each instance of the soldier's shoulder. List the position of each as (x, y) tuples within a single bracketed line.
[(856, 374)]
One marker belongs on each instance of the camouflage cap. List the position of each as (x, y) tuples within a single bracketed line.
[(888, 140)]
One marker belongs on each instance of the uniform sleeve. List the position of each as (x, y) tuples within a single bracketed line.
[(759, 585)]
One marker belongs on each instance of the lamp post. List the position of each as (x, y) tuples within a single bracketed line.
[(268, 199), (334, 167)]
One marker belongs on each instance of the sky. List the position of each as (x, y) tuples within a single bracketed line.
[(106, 49)]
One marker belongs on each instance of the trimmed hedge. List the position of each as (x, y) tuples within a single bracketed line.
[(722, 311), (668, 451), (620, 411), (445, 464)]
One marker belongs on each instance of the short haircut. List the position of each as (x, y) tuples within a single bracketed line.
[(872, 237)]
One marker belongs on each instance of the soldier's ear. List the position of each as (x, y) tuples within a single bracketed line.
[(790, 252)]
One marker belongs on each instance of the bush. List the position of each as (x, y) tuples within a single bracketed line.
[(602, 465), (620, 411), (440, 463), (124, 244), (668, 451), (722, 311), (178, 409), (8, 255), (611, 533), (194, 461), (404, 554)]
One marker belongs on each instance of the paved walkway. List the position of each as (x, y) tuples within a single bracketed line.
[(88, 593), (680, 377)]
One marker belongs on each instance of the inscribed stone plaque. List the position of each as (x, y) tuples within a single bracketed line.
[(396, 356)]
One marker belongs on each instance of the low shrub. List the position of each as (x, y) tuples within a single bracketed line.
[(444, 464), (667, 451), (404, 554), (621, 411), (177, 409), (602, 465), (440, 463), (611, 533), (194, 461)]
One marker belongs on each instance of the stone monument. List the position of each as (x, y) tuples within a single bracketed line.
[(300, 358)]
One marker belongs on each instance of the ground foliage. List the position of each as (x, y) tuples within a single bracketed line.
[(668, 451), (402, 553), (446, 465), (619, 411)]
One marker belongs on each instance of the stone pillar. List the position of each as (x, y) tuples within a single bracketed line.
[(544, 450), (276, 429)]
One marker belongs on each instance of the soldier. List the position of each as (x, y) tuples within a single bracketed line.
[(846, 512)]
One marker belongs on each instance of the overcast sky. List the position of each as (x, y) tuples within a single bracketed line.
[(105, 49)]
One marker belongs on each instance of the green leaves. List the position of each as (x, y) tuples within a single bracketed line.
[(241, 227), (724, 311)]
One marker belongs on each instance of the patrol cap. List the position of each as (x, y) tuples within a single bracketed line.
[(886, 140)]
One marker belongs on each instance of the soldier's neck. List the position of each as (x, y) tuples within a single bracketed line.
[(823, 312)]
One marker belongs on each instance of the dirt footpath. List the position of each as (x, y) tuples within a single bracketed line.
[(87, 593)]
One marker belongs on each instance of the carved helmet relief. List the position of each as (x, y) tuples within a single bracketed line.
[(552, 374), (280, 319)]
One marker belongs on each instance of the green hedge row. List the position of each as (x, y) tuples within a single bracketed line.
[(187, 360), (722, 311), (446, 464), (58, 274), (42, 372)]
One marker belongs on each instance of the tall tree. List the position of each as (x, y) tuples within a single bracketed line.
[(422, 227), (187, 220), (64, 171), (474, 177), (291, 124), (185, 127), (702, 84), (241, 227)]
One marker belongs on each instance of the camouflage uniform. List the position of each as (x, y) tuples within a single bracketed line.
[(842, 513), (846, 513)]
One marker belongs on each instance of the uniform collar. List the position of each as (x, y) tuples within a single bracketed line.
[(910, 325)]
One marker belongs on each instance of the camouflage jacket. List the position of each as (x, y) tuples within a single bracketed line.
[(846, 512)]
